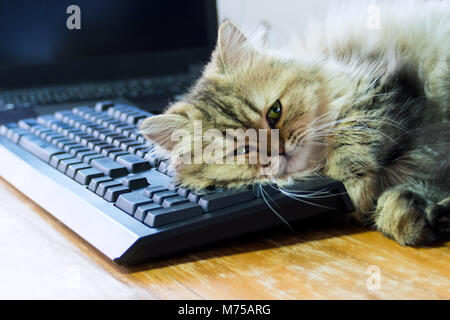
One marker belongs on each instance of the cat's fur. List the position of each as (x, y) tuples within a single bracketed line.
[(365, 106)]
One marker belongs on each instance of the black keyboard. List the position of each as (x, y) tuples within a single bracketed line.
[(91, 168), (142, 87)]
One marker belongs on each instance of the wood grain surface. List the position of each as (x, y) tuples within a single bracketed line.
[(323, 259)]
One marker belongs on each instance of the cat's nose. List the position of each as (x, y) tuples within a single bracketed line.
[(281, 150)]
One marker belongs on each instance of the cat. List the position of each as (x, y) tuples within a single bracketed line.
[(368, 106)]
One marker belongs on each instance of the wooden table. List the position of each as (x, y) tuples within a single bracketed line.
[(331, 258)]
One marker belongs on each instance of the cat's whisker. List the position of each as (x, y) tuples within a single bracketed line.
[(330, 124), (374, 118), (324, 115), (263, 192), (317, 142), (359, 99), (297, 198), (305, 194), (321, 129), (385, 120)]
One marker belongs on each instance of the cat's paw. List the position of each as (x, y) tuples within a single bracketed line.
[(438, 217), (406, 217)]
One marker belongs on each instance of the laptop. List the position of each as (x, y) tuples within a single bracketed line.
[(77, 78)]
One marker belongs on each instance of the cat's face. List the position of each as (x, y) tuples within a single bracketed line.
[(243, 89)]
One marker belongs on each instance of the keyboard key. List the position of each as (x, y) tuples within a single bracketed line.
[(62, 115), (157, 178), (136, 136), (142, 152), (123, 117), (4, 128), (163, 166), (76, 150), (225, 199), (40, 148), (92, 129), (97, 145), (28, 123), (59, 125), (173, 186), (108, 136), (126, 130), (109, 167), (69, 132), (159, 197), (114, 154), (142, 139), (97, 133), (65, 163), (91, 142), (82, 110), (103, 186), (135, 182), (88, 158), (84, 176), (81, 155), (116, 110), (127, 145), (52, 137), (64, 142), (106, 152), (93, 185), (174, 201), (134, 118), (135, 149), (118, 141), (129, 202), (159, 217), (195, 195), (113, 193), (46, 119), (73, 169), (141, 211), (150, 191), (184, 192), (171, 172), (38, 130), (100, 147), (94, 116), (67, 148), (103, 105), (73, 134), (14, 134), (111, 137), (81, 124), (54, 161), (133, 163), (112, 124)]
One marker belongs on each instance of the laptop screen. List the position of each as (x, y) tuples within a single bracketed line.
[(95, 32)]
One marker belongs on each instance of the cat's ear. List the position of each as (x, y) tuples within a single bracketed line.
[(232, 46), (159, 129)]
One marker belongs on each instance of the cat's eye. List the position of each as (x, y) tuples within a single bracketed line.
[(274, 113), (241, 150)]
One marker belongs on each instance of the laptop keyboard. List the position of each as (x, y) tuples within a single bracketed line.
[(101, 149)]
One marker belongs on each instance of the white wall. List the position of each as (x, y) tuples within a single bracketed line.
[(280, 15)]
